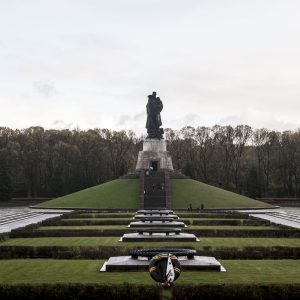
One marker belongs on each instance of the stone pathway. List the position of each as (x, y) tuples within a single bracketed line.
[(12, 218)]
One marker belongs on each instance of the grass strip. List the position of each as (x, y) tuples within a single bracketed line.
[(239, 243), (39, 271)]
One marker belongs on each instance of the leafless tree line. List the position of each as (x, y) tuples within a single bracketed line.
[(51, 163), (257, 163)]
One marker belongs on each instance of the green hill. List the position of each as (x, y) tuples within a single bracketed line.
[(187, 191), (120, 193), (123, 193)]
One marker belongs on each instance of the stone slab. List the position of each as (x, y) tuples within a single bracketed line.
[(156, 224), (127, 263), (155, 211), (159, 237), (153, 216)]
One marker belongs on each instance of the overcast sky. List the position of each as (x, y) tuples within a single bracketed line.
[(92, 63)]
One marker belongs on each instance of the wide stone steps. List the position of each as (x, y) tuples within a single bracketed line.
[(17, 217), (155, 193), (289, 217)]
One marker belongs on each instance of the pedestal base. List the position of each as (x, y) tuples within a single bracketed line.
[(127, 263), (157, 224), (154, 151), (159, 237)]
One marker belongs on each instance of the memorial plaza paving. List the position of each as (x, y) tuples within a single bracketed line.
[(12, 218)]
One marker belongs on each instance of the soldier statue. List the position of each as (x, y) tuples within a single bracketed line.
[(154, 107)]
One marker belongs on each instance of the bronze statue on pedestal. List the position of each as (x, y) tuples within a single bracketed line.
[(154, 107)]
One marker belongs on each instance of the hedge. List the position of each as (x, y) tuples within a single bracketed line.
[(276, 252), (71, 222), (61, 252), (272, 233), (104, 252), (229, 222), (237, 292), (3, 237), (149, 292), (78, 292), (24, 233), (228, 215), (97, 215)]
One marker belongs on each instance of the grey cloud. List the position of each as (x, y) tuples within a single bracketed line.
[(60, 124), (45, 88), (140, 116), (57, 122), (190, 119), (123, 120), (258, 119)]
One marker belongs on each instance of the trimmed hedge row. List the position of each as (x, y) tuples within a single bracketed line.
[(257, 222), (271, 233), (97, 215), (71, 222), (228, 215), (61, 252), (148, 292), (104, 252), (144, 292), (78, 292), (229, 222), (23, 233), (237, 292), (216, 222), (277, 252), (3, 237)]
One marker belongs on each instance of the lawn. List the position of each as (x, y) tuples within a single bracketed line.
[(38, 271), (187, 191), (123, 194), (118, 194), (113, 241)]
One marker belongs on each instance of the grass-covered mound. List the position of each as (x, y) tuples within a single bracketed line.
[(187, 191), (120, 193)]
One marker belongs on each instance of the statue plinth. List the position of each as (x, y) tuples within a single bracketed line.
[(154, 145), (154, 155)]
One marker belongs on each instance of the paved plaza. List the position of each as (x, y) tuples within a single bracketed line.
[(288, 216), (12, 218)]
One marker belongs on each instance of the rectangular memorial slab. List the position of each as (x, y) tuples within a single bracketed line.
[(154, 216), (159, 237), (156, 224), (155, 211), (127, 263)]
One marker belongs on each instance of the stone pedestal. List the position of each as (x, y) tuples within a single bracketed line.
[(139, 224), (127, 263), (154, 153), (159, 237)]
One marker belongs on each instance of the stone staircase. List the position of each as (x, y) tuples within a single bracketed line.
[(155, 190)]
